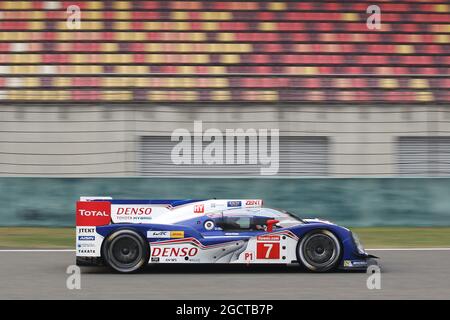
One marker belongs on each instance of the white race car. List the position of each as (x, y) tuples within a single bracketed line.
[(127, 235)]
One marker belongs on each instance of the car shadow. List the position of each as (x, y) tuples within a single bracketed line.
[(211, 269)]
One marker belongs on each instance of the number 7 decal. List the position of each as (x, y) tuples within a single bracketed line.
[(268, 250)]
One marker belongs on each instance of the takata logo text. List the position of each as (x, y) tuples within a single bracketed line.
[(93, 213), (174, 252)]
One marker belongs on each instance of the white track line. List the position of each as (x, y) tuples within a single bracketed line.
[(376, 249), (409, 249), (37, 250)]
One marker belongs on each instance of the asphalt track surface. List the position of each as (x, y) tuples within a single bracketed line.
[(416, 274)]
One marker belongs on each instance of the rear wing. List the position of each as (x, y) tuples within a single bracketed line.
[(95, 198)]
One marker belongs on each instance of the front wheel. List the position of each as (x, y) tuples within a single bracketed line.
[(319, 251), (126, 251)]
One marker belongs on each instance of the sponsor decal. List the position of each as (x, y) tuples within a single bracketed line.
[(86, 230), (86, 251), (354, 263), (199, 208), (93, 213), (165, 234), (131, 213), (234, 203), (177, 234), (268, 250), (253, 203), (86, 238), (174, 252), (154, 259), (268, 238), (158, 234), (134, 211), (249, 256), (86, 245)]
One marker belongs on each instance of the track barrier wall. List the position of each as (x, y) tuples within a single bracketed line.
[(347, 201)]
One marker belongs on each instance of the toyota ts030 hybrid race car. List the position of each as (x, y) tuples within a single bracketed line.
[(129, 234)]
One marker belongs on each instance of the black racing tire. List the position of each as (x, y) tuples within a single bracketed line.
[(126, 251), (319, 251)]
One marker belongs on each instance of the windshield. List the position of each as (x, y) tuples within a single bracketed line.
[(282, 215)]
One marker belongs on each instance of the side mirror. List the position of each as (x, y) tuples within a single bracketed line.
[(270, 223)]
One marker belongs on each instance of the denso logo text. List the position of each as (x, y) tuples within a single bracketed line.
[(87, 213), (134, 211), (174, 252)]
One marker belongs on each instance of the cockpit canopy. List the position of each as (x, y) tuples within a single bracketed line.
[(254, 219)]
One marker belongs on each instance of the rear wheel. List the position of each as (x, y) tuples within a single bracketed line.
[(319, 251), (126, 251)]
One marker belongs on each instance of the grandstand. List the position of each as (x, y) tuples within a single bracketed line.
[(178, 51), (311, 68)]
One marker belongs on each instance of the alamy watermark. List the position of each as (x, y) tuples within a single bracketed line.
[(73, 281), (373, 281), (232, 147), (74, 17), (373, 22)]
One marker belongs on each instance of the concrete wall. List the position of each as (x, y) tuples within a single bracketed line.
[(102, 140)]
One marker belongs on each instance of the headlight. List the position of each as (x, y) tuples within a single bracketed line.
[(358, 243)]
